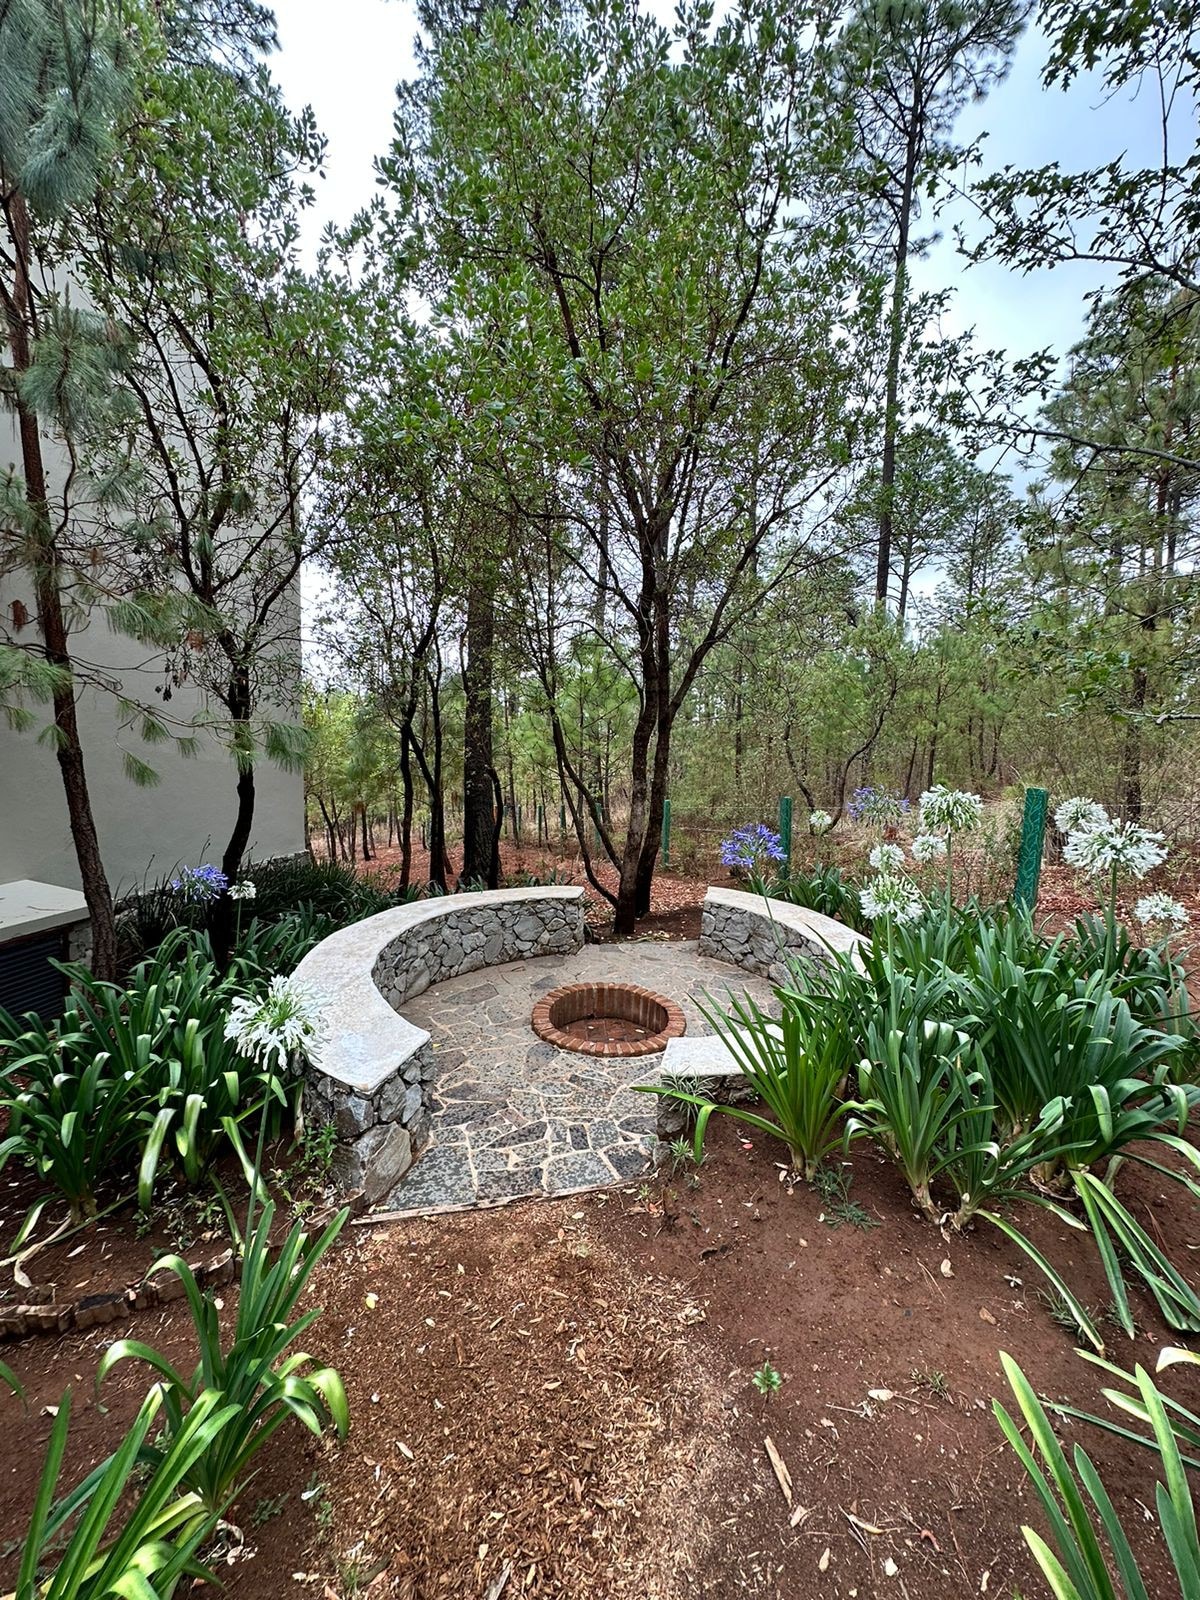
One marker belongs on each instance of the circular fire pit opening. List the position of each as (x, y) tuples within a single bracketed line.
[(607, 1019)]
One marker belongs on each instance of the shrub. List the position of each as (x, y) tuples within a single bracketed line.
[(819, 888), (796, 1071), (264, 950), (996, 1067), (298, 894), (1075, 1559), (265, 1386), (73, 1116), (324, 888), (156, 1544), (134, 1079)]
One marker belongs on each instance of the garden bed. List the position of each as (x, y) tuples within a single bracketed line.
[(563, 1390)]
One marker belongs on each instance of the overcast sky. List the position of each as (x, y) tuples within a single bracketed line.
[(345, 59)]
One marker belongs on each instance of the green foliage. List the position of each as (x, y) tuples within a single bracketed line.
[(796, 1071), (1086, 1539), (267, 1386), (137, 1079), (145, 1551), (264, 950), (323, 888), (825, 889), (74, 1115), (917, 1096), (997, 1069), (767, 1380), (296, 904)]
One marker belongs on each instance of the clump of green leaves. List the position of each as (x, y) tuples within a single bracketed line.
[(767, 1380), (267, 1385)]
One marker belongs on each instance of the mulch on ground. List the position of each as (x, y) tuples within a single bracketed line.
[(555, 1398)]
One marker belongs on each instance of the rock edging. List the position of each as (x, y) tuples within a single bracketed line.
[(757, 934)]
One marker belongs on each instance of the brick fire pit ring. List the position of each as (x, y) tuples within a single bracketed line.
[(607, 1019)]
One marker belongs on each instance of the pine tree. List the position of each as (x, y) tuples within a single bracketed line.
[(65, 77)]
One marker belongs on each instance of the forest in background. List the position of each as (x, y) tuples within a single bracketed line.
[(674, 489), (633, 461)]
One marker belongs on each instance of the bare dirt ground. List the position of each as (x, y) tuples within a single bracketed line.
[(555, 1398)]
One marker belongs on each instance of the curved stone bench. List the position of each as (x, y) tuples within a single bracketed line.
[(374, 1081), (752, 932)]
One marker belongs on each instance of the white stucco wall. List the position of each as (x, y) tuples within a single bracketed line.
[(144, 833)]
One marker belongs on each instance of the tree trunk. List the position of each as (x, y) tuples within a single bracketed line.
[(480, 855), (223, 921), (52, 625), (406, 813), (331, 838), (891, 413)]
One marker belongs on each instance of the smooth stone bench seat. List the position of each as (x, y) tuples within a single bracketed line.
[(374, 1081), (704, 1063)]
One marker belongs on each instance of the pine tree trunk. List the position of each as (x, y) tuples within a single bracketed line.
[(53, 627), (223, 921), (891, 413)]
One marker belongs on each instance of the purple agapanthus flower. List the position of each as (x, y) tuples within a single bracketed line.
[(878, 806), (200, 884), (751, 847)]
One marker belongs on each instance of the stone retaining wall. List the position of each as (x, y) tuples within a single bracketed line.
[(375, 1081), (757, 934)]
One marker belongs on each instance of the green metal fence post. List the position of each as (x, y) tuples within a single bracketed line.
[(666, 834), (1029, 856), (785, 831)]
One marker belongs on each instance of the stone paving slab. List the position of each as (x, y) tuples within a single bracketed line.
[(513, 1115)]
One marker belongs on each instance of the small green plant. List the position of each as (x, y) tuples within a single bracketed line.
[(824, 889), (316, 1494), (144, 1553), (796, 1070), (934, 1381), (267, 1509), (767, 1380), (1086, 1540), (266, 1385), (833, 1186), (683, 1157), (307, 1176), (1062, 1313)]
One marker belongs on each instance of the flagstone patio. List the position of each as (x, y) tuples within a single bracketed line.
[(516, 1116)]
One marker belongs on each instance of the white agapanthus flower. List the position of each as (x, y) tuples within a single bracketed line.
[(819, 822), (1124, 847), (886, 858), (887, 897), (1080, 815), (244, 890), (926, 847), (1160, 911), (271, 1027), (949, 810)]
